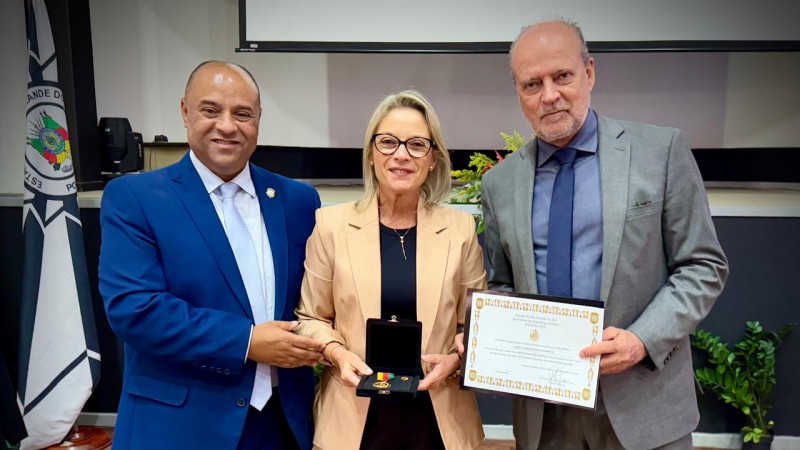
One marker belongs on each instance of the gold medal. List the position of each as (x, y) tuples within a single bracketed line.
[(381, 384)]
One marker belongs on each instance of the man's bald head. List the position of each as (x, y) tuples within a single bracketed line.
[(210, 64), (543, 26)]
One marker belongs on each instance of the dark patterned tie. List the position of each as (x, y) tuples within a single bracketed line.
[(559, 229)]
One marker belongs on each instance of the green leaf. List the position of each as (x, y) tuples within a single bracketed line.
[(512, 141), (318, 370)]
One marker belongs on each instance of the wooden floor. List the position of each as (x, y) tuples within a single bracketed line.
[(489, 444), (496, 445), (509, 445)]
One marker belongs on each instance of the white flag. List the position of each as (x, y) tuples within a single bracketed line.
[(59, 359)]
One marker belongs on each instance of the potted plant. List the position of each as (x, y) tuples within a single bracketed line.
[(743, 377), (468, 190)]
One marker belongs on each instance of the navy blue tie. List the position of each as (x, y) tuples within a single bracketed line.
[(559, 229)]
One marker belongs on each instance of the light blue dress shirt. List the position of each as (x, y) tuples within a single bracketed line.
[(587, 215)]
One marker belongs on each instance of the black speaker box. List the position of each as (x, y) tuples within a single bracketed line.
[(120, 148)]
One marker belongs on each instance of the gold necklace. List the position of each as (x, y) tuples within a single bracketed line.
[(402, 241)]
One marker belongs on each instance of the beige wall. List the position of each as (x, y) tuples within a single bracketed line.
[(156, 156)]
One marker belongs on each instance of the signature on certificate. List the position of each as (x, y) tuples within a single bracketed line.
[(555, 374)]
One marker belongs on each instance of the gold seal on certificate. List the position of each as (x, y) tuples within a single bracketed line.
[(529, 346)]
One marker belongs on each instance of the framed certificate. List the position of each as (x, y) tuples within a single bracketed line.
[(528, 345)]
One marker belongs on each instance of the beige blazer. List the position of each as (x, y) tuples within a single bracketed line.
[(342, 289)]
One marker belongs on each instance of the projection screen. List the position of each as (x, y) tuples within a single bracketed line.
[(477, 26)]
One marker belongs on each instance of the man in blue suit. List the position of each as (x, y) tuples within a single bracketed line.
[(200, 269)]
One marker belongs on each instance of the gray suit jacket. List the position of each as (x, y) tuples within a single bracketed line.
[(662, 270)]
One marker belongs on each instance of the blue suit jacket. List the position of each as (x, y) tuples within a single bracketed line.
[(174, 295)]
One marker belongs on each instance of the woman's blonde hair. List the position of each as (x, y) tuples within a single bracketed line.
[(436, 187)]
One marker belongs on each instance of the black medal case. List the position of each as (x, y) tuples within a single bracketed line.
[(393, 346)]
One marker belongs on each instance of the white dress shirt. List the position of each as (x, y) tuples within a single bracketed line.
[(247, 204)]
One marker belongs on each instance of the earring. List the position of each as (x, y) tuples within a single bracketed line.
[(371, 163), (431, 169)]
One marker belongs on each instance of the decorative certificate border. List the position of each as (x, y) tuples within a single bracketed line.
[(482, 301)]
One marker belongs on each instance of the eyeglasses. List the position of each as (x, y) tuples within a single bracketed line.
[(387, 144)]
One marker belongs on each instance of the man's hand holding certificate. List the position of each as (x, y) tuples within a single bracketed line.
[(530, 345), (619, 351)]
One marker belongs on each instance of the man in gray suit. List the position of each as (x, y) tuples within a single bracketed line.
[(639, 236)]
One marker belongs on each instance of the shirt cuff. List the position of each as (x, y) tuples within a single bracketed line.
[(249, 341)]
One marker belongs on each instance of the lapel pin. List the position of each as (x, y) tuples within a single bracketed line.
[(270, 193)]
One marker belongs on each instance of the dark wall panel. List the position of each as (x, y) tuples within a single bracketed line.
[(764, 257), (743, 165), (72, 36)]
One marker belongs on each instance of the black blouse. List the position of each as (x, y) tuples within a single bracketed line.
[(398, 275)]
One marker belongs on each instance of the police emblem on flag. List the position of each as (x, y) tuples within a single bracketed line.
[(51, 140), (48, 155)]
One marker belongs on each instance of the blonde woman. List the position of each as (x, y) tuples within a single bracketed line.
[(395, 252)]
